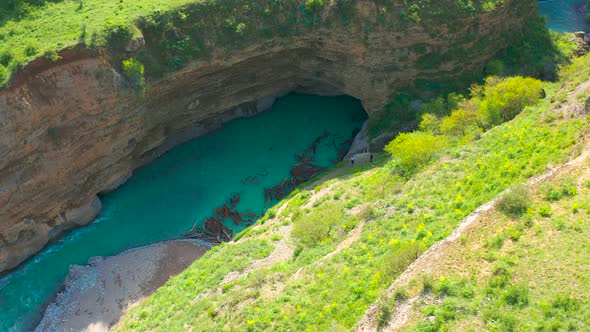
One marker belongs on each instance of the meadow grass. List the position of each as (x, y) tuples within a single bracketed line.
[(532, 269), (179, 31), (54, 26)]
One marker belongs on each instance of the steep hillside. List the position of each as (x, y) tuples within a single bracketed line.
[(324, 258), (76, 123), (517, 263)]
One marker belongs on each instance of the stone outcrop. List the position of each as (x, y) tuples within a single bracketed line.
[(71, 130)]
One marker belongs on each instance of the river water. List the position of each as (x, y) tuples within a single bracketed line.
[(165, 199), (565, 15)]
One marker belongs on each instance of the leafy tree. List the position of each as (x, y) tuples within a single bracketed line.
[(458, 122), (505, 100), (430, 123), (416, 149)]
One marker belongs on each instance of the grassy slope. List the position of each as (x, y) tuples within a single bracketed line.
[(521, 274), (511, 273), (58, 25), (54, 26), (329, 284)]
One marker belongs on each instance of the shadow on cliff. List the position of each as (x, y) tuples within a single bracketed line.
[(539, 55)]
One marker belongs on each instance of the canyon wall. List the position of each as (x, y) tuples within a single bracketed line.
[(72, 129)]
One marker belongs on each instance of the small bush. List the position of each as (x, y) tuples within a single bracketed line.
[(314, 6), (117, 36), (515, 202), (31, 50), (545, 211), (400, 295), (447, 287), (321, 224), (400, 258), (555, 192), (367, 213), (5, 58), (52, 55), (4, 76), (427, 284), (133, 70), (517, 295), (384, 313)]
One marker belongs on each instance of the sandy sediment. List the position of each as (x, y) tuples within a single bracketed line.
[(96, 295)]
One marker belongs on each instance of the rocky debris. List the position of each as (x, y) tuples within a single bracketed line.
[(214, 230), (96, 295), (135, 45), (582, 40), (305, 169), (360, 143)]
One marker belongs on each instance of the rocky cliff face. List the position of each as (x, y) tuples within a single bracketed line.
[(70, 130)]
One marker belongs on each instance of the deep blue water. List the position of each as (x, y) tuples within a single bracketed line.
[(565, 15)]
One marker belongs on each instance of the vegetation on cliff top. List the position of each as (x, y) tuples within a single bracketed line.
[(332, 276), (33, 28)]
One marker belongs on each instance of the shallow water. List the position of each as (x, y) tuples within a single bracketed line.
[(166, 198), (565, 15)]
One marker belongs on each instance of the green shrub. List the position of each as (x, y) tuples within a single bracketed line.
[(427, 284), (52, 55), (516, 295), (4, 76), (430, 123), (447, 287), (401, 257), (505, 100), (321, 224), (416, 149), (545, 211), (555, 192), (495, 67), (5, 58), (133, 70), (400, 295), (515, 201), (31, 50), (314, 6), (458, 122), (117, 36)]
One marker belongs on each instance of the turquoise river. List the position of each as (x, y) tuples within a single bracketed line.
[(165, 199)]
